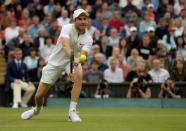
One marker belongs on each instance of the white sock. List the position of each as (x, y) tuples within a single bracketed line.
[(72, 106)]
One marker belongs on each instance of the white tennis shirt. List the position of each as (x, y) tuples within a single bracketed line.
[(77, 44)]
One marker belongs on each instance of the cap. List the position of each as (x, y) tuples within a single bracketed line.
[(79, 12), (150, 5), (151, 29), (133, 28)]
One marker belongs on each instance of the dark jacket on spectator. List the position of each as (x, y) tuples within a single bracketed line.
[(15, 72)]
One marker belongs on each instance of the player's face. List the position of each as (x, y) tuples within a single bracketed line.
[(81, 22)]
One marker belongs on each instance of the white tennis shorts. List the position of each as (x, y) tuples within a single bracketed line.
[(51, 73)]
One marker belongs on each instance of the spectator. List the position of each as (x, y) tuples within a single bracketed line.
[(100, 58), (145, 50), (123, 47), (178, 28), (158, 74), (181, 47), (115, 55), (115, 6), (151, 11), (25, 21), (58, 10), (91, 28), (113, 39), (105, 28), (178, 6), (63, 19), (133, 40), (169, 90), (33, 29), (46, 23), (162, 27), (183, 17), (104, 47), (50, 8), (54, 31), (139, 82), (160, 49), (178, 73), (125, 31), (36, 8), (105, 11), (116, 22), (26, 45), (130, 7), (162, 8), (17, 76), (184, 36), (153, 38), (17, 41), (31, 61), (146, 23), (41, 64), (102, 90), (12, 31), (168, 40), (95, 50), (47, 49), (114, 74), (97, 22), (93, 75), (96, 37), (133, 58), (39, 41)]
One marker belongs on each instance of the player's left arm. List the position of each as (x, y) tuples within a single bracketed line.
[(87, 46)]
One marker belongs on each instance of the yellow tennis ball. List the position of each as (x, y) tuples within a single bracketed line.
[(82, 58)]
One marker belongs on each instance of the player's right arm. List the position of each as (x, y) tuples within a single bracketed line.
[(66, 46), (65, 39)]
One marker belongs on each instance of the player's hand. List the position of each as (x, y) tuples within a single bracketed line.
[(76, 61), (71, 77)]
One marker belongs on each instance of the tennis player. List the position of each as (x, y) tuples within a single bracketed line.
[(73, 37)]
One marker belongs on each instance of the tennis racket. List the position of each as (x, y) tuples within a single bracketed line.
[(71, 62)]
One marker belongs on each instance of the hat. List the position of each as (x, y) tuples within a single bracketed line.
[(150, 5), (79, 12), (133, 28), (151, 29)]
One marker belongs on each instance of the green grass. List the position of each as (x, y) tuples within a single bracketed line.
[(96, 119)]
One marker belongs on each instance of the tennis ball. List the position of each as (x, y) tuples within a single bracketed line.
[(82, 58)]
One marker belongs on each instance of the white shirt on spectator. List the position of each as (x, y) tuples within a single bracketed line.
[(159, 77), (10, 33), (63, 21), (113, 41), (114, 77), (31, 62)]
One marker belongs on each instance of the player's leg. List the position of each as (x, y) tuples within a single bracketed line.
[(41, 92), (39, 99), (75, 93), (49, 76)]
